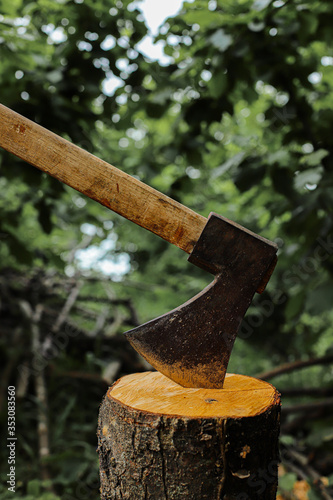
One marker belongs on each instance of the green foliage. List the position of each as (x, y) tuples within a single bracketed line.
[(54, 58), (263, 131), (287, 481)]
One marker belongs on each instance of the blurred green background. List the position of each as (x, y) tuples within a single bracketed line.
[(235, 118)]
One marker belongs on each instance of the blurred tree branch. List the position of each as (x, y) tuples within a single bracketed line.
[(295, 365)]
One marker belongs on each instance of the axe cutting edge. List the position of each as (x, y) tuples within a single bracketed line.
[(191, 344)]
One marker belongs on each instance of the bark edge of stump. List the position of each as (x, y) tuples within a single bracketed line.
[(160, 441)]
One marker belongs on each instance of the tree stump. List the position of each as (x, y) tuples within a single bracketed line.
[(160, 441)]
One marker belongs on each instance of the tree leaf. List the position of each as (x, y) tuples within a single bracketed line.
[(260, 4), (320, 299), (314, 159), (204, 18), (217, 84), (221, 40), (309, 177), (287, 481)]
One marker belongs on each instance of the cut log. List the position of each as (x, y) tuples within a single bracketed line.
[(160, 441)]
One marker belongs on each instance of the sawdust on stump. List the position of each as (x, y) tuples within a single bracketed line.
[(160, 441)]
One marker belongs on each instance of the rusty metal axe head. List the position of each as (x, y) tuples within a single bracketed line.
[(192, 344)]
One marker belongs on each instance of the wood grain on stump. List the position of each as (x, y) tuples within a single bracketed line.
[(160, 441)]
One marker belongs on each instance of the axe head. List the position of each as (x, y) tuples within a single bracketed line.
[(192, 344)]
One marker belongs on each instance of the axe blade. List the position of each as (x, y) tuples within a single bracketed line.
[(192, 344)]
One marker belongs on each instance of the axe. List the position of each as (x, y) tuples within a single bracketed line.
[(191, 344)]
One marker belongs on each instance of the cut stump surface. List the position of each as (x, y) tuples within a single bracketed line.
[(158, 440)]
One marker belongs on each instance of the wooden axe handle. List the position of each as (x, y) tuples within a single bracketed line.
[(103, 182), (99, 180)]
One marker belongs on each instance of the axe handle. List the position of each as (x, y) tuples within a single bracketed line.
[(99, 180)]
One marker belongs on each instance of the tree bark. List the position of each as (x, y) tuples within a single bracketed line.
[(160, 441)]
